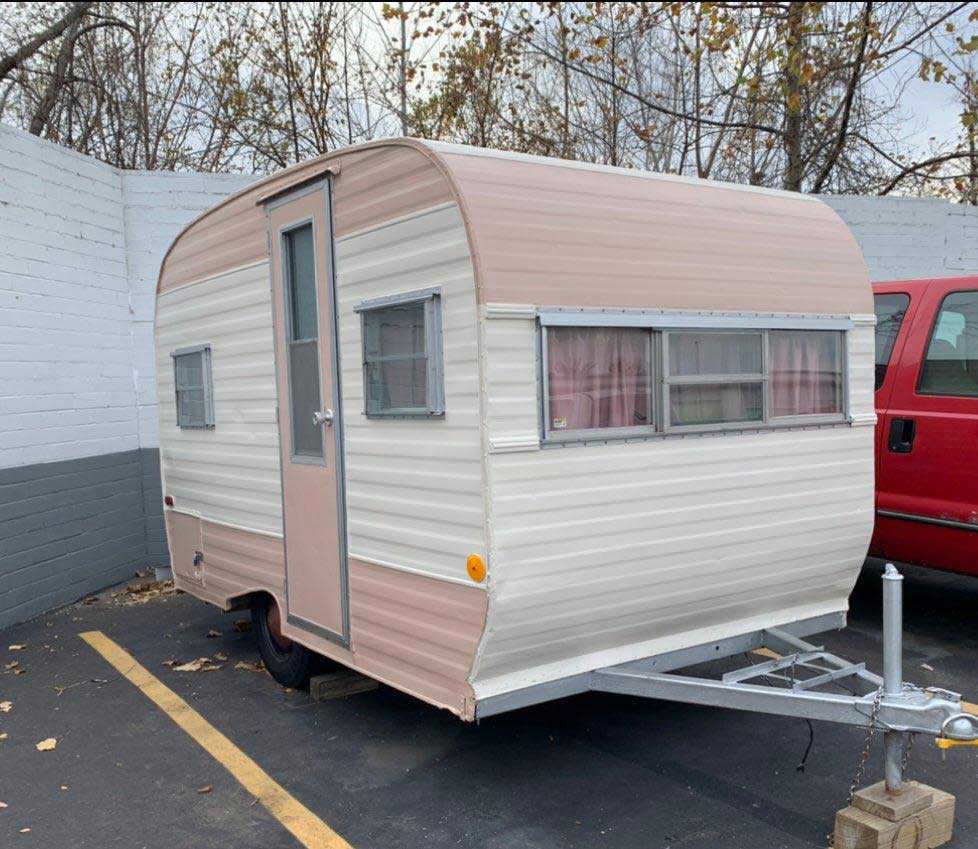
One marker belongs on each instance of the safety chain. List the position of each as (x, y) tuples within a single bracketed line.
[(864, 757), (868, 747)]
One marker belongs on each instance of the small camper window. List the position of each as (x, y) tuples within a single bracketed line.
[(402, 355), (194, 391)]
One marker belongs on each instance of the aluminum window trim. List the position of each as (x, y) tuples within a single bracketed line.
[(434, 354), (663, 320), (661, 382), (207, 384)]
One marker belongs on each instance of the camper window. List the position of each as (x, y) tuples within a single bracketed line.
[(402, 355), (194, 390), (602, 381)]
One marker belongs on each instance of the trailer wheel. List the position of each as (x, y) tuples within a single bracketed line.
[(289, 663)]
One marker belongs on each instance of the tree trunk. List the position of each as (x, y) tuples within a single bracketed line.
[(13, 60), (792, 76)]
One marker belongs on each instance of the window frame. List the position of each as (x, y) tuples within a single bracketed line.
[(659, 326), (877, 383), (434, 353), (930, 339), (207, 386)]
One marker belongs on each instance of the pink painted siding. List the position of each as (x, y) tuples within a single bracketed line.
[(415, 633), (547, 234), (378, 183)]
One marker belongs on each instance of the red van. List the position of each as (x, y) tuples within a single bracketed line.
[(927, 429)]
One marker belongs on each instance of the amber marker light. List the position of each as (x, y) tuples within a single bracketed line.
[(476, 567), (168, 501)]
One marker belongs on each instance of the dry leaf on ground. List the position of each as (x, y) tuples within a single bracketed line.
[(25, 831), (3, 736), (201, 664), (3, 805), (242, 625), (250, 667), (219, 655), (5, 707), (205, 789), (47, 745), (213, 633), (12, 665), (17, 647)]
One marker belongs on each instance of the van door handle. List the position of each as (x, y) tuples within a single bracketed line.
[(902, 433)]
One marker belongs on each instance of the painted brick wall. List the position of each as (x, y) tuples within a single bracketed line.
[(908, 237), (80, 249)]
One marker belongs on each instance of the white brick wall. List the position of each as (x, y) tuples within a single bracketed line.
[(909, 237), (80, 248)]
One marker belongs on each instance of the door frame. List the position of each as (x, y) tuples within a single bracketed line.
[(322, 184)]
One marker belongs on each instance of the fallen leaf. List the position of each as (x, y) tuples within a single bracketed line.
[(250, 667), (90, 600), (205, 789), (3, 805), (193, 665), (16, 647), (3, 736), (64, 786), (213, 633), (12, 665), (220, 655), (242, 625), (169, 662), (25, 831), (19, 671), (47, 745), (5, 707), (927, 666)]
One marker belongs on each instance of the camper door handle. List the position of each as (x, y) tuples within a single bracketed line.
[(324, 417)]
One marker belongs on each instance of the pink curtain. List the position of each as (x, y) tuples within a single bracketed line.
[(597, 377), (806, 373)]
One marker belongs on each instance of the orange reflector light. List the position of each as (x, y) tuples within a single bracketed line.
[(476, 567)]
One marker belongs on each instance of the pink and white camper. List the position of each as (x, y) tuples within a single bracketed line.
[(477, 424)]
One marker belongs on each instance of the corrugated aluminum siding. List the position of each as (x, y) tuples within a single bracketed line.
[(414, 486), (601, 553), (229, 473)]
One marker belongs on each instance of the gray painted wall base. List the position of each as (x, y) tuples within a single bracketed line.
[(75, 526)]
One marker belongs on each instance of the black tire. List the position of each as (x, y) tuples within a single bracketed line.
[(291, 666)]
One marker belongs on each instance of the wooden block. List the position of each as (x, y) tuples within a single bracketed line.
[(339, 685), (875, 800), (924, 829)]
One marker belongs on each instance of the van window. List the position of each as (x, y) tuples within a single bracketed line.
[(890, 310), (615, 381), (951, 364), (194, 389), (402, 355)]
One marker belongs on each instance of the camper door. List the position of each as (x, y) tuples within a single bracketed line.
[(309, 413)]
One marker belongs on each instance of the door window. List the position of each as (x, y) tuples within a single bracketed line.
[(303, 341), (890, 310), (951, 364)]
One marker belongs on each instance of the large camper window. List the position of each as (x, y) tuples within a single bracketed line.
[(194, 389), (402, 355), (607, 381)]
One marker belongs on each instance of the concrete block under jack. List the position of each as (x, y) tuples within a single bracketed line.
[(339, 685), (920, 818)]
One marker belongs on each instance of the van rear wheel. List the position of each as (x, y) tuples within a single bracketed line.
[(289, 663)]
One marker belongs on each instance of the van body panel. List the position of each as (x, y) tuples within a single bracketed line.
[(927, 444)]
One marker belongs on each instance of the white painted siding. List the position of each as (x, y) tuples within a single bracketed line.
[(230, 473), (604, 553), (414, 487)]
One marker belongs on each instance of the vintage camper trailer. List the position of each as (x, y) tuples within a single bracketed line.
[(477, 424)]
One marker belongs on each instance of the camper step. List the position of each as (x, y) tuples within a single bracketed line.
[(339, 685)]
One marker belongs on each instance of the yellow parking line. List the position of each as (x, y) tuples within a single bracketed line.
[(766, 652), (303, 824)]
